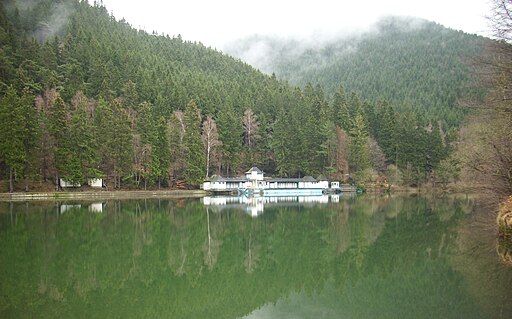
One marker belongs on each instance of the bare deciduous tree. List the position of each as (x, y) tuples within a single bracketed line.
[(211, 140), (501, 19), (485, 149)]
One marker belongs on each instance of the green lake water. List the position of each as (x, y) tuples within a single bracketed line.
[(254, 258)]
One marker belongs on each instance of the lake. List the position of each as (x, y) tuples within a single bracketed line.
[(229, 257)]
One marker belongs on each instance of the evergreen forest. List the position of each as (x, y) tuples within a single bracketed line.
[(83, 95), (409, 62)]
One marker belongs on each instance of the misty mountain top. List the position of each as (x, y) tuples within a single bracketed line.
[(410, 62), (268, 52)]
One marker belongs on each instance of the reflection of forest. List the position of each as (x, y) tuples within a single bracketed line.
[(486, 263), (182, 259)]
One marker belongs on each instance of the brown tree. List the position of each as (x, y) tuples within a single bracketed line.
[(485, 148)]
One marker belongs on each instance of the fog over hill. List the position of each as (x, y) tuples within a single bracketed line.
[(408, 61)]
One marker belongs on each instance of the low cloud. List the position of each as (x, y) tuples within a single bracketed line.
[(317, 48)]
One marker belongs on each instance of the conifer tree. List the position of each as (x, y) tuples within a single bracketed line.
[(195, 157), (59, 131), (144, 138), (280, 144), (114, 139), (342, 154), (177, 150), (12, 134), (386, 134), (230, 134), (82, 140), (340, 109), (359, 159), (251, 128)]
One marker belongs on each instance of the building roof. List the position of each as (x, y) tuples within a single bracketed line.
[(218, 178), (254, 169), (291, 180), (235, 179), (215, 178), (285, 180), (321, 178)]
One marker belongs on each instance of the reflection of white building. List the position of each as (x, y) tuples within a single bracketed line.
[(68, 207), (254, 182), (96, 207), (324, 199), (255, 205)]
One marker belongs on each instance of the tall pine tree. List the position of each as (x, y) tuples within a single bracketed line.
[(195, 157)]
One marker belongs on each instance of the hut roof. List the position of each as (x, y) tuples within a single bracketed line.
[(254, 169), (218, 178)]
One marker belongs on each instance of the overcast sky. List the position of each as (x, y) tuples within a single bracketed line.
[(216, 22)]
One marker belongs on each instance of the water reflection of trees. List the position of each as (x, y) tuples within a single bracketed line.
[(483, 261), (178, 259)]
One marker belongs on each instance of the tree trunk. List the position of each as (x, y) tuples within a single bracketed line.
[(11, 185), (207, 161)]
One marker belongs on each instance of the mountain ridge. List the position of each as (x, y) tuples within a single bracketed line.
[(406, 61)]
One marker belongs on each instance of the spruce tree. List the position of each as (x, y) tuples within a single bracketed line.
[(12, 134), (230, 134), (161, 151), (82, 140), (359, 159), (340, 109), (59, 131), (195, 157)]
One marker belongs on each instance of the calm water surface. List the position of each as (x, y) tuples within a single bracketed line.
[(308, 257)]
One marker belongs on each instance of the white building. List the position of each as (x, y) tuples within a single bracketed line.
[(255, 181)]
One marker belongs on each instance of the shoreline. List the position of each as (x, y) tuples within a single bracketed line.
[(122, 194)]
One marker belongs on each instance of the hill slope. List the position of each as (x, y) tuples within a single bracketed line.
[(408, 62), (83, 95), (82, 47)]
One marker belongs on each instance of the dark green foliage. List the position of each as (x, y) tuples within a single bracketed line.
[(114, 140), (195, 171), (59, 132), (108, 99), (15, 127), (231, 134), (359, 144), (84, 142)]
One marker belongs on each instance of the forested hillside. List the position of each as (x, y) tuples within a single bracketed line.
[(83, 95), (407, 61)]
